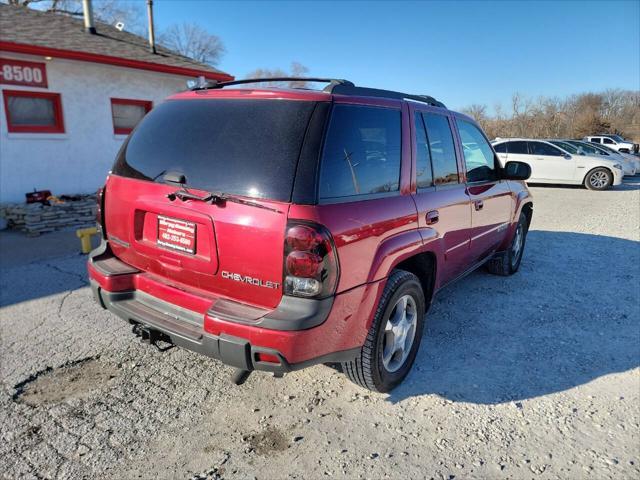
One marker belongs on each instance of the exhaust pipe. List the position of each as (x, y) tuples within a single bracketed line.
[(152, 37), (87, 9)]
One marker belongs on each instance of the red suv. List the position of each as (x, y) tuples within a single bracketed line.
[(274, 229)]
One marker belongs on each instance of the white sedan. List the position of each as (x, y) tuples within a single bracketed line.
[(630, 161), (554, 163)]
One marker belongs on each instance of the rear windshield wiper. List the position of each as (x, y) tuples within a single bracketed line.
[(215, 198)]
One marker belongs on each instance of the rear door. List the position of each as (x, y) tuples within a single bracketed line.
[(490, 196), (550, 162), (363, 186), (246, 148), (441, 197)]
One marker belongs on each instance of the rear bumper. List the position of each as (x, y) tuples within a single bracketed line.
[(218, 328), (185, 329)]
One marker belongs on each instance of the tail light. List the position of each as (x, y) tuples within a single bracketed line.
[(310, 261), (100, 211)]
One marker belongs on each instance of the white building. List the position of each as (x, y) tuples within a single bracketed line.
[(70, 97)]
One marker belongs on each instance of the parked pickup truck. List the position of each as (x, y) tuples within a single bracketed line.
[(274, 229), (615, 142)]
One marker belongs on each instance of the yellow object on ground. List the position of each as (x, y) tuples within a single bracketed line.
[(84, 234)]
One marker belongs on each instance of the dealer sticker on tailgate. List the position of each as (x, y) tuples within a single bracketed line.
[(177, 234)]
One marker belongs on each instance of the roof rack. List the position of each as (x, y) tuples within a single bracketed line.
[(336, 86), (375, 92), (203, 84)]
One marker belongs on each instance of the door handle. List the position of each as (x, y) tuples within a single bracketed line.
[(432, 217), (478, 204)]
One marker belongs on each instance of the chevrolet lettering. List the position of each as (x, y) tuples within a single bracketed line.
[(236, 277)]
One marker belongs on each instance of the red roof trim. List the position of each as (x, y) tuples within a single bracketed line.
[(106, 59)]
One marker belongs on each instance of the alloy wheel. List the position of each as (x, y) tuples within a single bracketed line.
[(599, 179), (399, 333), (516, 245)]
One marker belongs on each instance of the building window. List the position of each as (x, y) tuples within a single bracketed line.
[(127, 113), (33, 112)]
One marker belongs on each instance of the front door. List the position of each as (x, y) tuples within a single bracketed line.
[(490, 197), (551, 163)]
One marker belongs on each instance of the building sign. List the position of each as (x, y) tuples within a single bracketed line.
[(19, 72)]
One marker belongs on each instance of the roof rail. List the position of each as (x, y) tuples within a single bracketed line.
[(203, 84), (336, 86), (342, 89)]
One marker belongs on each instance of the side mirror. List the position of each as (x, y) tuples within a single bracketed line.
[(516, 171), (567, 156)]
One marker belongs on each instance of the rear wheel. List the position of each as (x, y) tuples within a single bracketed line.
[(394, 338), (598, 179)]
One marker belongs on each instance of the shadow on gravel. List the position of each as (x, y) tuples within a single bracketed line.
[(569, 316), (42, 279), (632, 183), (37, 267)]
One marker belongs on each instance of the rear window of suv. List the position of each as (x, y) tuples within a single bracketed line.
[(242, 147)]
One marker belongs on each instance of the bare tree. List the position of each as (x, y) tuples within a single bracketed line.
[(478, 112), (193, 41), (296, 70), (614, 111)]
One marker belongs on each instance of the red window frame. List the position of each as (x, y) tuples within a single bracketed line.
[(57, 111), (147, 104)]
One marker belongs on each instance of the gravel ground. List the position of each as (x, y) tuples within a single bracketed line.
[(533, 376)]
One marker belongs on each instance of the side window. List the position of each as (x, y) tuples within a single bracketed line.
[(596, 140), (517, 147), (540, 148), (361, 153), (478, 155), (501, 147), (424, 175), (608, 141), (443, 154)]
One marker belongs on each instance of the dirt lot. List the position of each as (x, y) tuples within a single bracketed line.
[(534, 376)]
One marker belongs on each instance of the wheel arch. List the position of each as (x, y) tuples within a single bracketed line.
[(527, 209), (416, 251), (423, 265), (604, 167)]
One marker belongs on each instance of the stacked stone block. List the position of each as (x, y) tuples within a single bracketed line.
[(35, 218)]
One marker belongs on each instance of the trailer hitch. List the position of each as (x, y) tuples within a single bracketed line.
[(152, 337)]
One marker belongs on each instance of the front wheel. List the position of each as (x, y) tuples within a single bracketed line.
[(508, 262), (598, 179), (394, 338)]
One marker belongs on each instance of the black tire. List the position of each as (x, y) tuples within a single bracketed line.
[(368, 369), (508, 262), (598, 179)]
